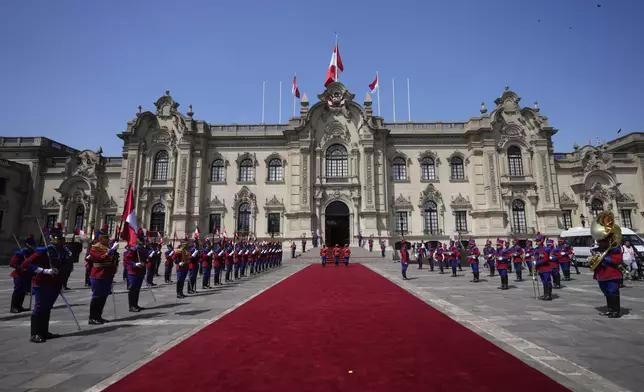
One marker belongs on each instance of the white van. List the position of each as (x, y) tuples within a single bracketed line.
[(580, 240)]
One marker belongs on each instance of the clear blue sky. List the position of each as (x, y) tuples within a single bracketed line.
[(75, 71)]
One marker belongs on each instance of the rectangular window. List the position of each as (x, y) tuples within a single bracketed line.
[(1, 218), (626, 219), (51, 221), (110, 221), (567, 219), (275, 172), (3, 186), (215, 223), (461, 221), (401, 222), (273, 223), (246, 174)]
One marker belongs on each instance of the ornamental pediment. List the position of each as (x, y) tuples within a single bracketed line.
[(461, 201), (401, 202), (567, 201), (52, 204)]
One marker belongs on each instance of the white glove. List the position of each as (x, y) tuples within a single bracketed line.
[(115, 246), (195, 253), (139, 264), (563, 253), (210, 253), (49, 271), (171, 254), (88, 257), (221, 253), (181, 264), (499, 258), (151, 253)]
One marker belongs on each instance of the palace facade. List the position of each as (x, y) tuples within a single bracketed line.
[(336, 168)]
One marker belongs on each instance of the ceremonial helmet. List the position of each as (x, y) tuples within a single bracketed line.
[(30, 241), (471, 242), (488, 242), (604, 228), (56, 234), (499, 242), (550, 242), (529, 243), (560, 239), (538, 237)]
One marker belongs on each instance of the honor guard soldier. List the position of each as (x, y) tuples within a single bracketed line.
[(420, 256), (252, 259), (218, 263), (134, 260), (88, 266), (45, 263), (607, 261), (293, 249), (193, 268), (430, 256), (150, 265), (21, 277), (528, 255), (488, 254), (502, 258), (371, 243), (182, 260), (517, 259), (347, 255), (336, 255), (237, 261), (404, 259), (244, 261), (169, 262), (543, 268), (104, 260), (440, 258), (554, 263), (454, 257), (564, 254), (382, 248), (280, 253), (229, 261), (473, 254), (323, 252), (206, 266)]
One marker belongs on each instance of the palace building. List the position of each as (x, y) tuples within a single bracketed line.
[(336, 168)]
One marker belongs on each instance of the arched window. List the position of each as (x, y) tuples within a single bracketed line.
[(337, 162), (399, 169), (275, 170), (596, 207), (246, 170), (427, 169), (243, 219), (218, 171), (458, 170), (518, 217), (515, 163), (157, 218), (79, 218), (430, 215), (161, 166)]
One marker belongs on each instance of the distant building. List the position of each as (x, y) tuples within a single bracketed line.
[(337, 169)]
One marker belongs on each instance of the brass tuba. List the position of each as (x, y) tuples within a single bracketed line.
[(604, 226)]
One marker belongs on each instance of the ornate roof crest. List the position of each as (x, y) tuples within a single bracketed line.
[(401, 202), (431, 193), (51, 204), (274, 203), (461, 201), (336, 97), (166, 106)]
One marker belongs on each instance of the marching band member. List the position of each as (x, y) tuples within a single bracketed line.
[(473, 254), (404, 259), (502, 263), (219, 259), (46, 264), (237, 260), (103, 256), (21, 277), (488, 253), (564, 254), (135, 262), (543, 268), (150, 265), (181, 260), (229, 261), (607, 273), (206, 266), (169, 262), (454, 256), (193, 268), (517, 259), (382, 248), (323, 252), (528, 256), (430, 256), (554, 263), (440, 257), (421, 256)]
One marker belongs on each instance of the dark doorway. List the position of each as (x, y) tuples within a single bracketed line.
[(336, 225)]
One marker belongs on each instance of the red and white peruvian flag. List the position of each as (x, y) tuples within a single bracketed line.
[(335, 67), (374, 85), (196, 235), (130, 228), (294, 90)]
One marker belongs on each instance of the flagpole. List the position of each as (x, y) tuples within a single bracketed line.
[(378, 96), (280, 115), (295, 79), (335, 55), (408, 102), (263, 93), (393, 93)]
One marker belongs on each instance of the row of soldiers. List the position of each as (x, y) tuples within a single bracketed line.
[(44, 271)]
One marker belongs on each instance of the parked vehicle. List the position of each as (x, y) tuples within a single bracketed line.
[(580, 240)]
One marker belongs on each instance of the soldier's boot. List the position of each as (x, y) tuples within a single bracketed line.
[(568, 275), (136, 300), (404, 274), (576, 268), (45, 327), (502, 284), (460, 268), (16, 302), (440, 266), (93, 320), (131, 302), (475, 278), (558, 281), (453, 271), (547, 293), (608, 304), (37, 335), (519, 276), (615, 307)]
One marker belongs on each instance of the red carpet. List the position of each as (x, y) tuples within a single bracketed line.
[(307, 333)]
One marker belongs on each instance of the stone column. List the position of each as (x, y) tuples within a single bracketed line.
[(92, 211), (61, 209)]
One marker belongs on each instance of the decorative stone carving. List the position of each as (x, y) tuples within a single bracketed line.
[(87, 164), (430, 193), (399, 154), (335, 130), (336, 97), (492, 178), (510, 132), (183, 179), (567, 201), (625, 200), (600, 192), (163, 137), (546, 176), (246, 155), (429, 154), (401, 202), (461, 202), (130, 172), (274, 203), (595, 159), (369, 186), (305, 180), (244, 196), (52, 204), (110, 203)]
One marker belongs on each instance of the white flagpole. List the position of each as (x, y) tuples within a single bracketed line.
[(263, 94), (335, 56), (294, 78), (280, 115), (378, 96), (408, 102), (393, 93)]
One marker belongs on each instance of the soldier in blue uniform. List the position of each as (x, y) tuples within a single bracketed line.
[(502, 257), (404, 259), (21, 277), (473, 254), (542, 266), (47, 264), (134, 260), (488, 254)]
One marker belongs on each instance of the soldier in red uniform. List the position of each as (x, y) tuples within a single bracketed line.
[(473, 254), (453, 255), (404, 259), (502, 257), (517, 259), (336, 254), (607, 274), (346, 255), (47, 283), (134, 260), (21, 277), (542, 266), (181, 260), (323, 252), (564, 254), (104, 265), (169, 262), (206, 266)]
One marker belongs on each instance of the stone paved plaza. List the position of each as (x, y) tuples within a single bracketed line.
[(565, 338)]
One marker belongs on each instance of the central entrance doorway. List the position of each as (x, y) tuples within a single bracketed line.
[(336, 225)]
